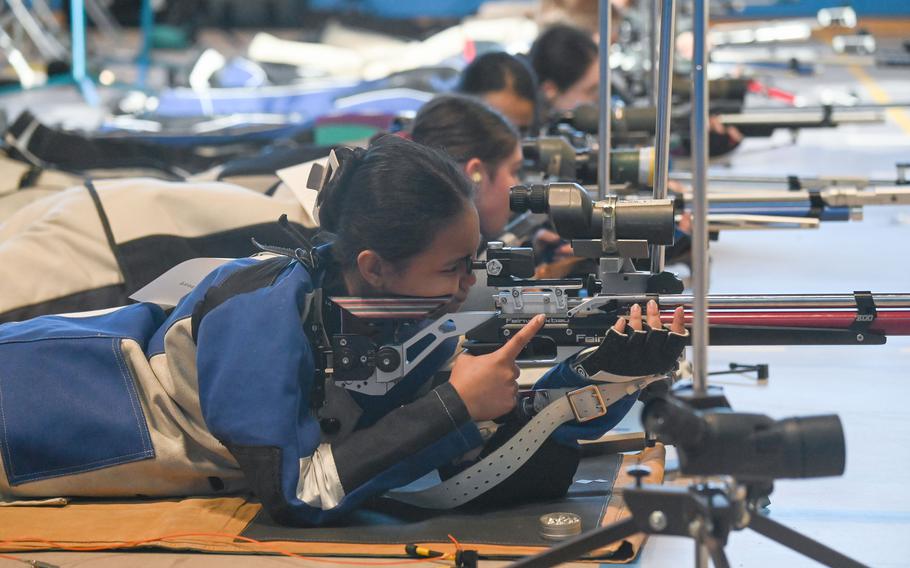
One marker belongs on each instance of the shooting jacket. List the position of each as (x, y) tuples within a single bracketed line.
[(90, 247), (215, 397)]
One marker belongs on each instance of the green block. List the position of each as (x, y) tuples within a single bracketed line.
[(331, 134)]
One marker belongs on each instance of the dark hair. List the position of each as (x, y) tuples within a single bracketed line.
[(392, 198), (498, 71), (562, 54), (465, 128)]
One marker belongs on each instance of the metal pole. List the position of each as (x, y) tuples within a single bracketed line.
[(603, 164), (77, 18), (652, 51), (147, 21), (662, 140), (79, 68), (699, 132)]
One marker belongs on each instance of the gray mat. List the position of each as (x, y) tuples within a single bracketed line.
[(390, 522)]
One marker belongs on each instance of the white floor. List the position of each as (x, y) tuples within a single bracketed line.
[(865, 513)]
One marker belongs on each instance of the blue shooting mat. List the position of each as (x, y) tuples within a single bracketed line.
[(240, 130), (402, 91), (306, 103), (269, 114)]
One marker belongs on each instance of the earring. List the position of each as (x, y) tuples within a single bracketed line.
[(476, 177)]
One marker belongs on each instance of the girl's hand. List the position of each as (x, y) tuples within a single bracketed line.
[(634, 347), (488, 384)]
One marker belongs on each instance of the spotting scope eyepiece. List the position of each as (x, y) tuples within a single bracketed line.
[(531, 198), (750, 447)]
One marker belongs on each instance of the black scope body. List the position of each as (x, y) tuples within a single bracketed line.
[(726, 96), (733, 88), (586, 118), (626, 121), (576, 216), (556, 156), (749, 447)]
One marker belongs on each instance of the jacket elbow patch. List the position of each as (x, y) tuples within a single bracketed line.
[(261, 465), (402, 433)]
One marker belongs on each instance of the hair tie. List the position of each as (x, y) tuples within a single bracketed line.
[(332, 184)]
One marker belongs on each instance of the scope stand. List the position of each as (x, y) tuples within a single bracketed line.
[(706, 512)]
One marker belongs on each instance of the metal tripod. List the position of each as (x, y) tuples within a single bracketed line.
[(706, 512)]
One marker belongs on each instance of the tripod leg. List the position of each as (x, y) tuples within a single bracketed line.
[(718, 556), (572, 549), (801, 543)]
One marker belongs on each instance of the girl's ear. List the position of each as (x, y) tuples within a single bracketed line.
[(474, 170), (549, 89), (372, 268)]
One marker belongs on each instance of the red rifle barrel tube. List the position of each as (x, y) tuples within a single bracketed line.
[(892, 322)]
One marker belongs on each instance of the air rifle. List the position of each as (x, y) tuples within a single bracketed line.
[(635, 122), (611, 233), (830, 204), (580, 311), (806, 198), (797, 182), (555, 158), (764, 123), (762, 210)]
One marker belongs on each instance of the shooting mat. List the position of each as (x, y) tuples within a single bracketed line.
[(213, 524)]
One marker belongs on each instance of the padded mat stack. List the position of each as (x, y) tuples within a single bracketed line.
[(230, 524)]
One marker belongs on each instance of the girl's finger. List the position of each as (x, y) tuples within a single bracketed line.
[(654, 315), (635, 317), (678, 318)]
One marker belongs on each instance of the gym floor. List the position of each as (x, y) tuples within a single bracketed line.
[(866, 513)]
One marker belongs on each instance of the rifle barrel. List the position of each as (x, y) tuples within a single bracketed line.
[(805, 182), (832, 197), (781, 301), (801, 118), (886, 322), (739, 221)]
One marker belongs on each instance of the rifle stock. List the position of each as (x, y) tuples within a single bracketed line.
[(860, 318)]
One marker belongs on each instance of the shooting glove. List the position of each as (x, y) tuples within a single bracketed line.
[(634, 353)]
